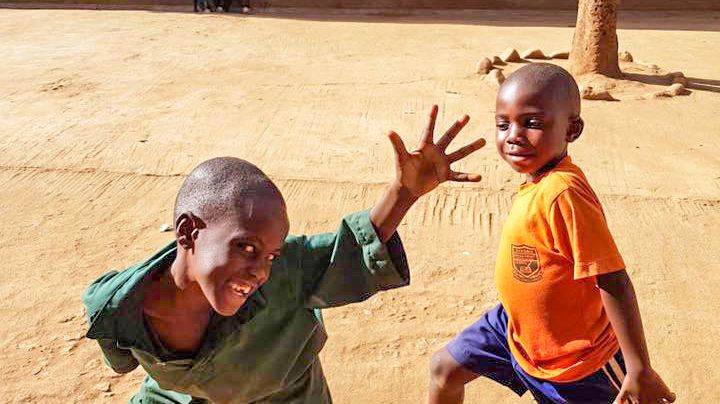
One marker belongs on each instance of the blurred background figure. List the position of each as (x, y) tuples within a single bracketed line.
[(219, 5)]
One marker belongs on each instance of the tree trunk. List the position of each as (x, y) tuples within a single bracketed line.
[(595, 46)]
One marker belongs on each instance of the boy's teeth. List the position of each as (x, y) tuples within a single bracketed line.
[(242, 289)]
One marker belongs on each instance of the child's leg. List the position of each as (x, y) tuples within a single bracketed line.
[(480, 350), (448, 379)]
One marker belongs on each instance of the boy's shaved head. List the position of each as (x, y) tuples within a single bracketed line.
[(549, 79), (220, 187), (230, 224), (537, 114)]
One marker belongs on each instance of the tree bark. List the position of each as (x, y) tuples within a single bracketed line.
[(595, 46)]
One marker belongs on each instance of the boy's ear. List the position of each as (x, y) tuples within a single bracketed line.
[(187, 228), (575, 129)]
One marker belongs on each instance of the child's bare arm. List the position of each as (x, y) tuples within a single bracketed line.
[(642, 384), (419, 172)]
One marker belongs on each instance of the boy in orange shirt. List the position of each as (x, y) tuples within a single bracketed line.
[(568, 327)]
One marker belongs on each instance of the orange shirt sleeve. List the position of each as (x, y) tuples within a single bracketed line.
[(581, 234)]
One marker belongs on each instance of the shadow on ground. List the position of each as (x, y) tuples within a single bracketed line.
[(694, 83), (650, 20)]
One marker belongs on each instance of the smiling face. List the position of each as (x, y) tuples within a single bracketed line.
[(231, 257), (535, 121)]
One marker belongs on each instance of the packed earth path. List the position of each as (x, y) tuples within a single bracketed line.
[(104, 112)]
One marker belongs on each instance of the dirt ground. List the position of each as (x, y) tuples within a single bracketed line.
[(103, 112)]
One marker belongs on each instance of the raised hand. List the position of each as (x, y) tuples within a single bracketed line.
[(423, 169)]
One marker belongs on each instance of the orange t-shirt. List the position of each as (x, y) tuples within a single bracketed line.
[(554, 242)]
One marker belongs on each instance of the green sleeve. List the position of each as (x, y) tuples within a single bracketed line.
[(350, 265), (120, 360), (96, 297)]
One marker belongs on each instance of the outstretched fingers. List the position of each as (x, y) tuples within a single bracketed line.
[(401, 153), (464, 151), (428, 134), (464, 177), (450, 134), (667, 396)]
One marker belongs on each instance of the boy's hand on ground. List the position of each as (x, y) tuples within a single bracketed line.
[(644, 388), (423, 169)]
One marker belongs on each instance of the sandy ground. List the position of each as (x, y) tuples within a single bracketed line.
[(104, 112)]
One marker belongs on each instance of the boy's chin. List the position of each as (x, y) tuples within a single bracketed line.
[(520, 169), (525, 167), (226, 312), (522, 166), (228, 309)]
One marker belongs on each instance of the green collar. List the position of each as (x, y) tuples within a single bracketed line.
[(119, 316)]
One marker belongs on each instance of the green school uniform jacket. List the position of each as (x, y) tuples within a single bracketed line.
[(268, 351)]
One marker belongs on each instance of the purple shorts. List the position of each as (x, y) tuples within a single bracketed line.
[(483, 349)]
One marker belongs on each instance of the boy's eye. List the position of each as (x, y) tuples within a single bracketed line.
[(271, 257), (534, 123), (250, 249), (503, 125)]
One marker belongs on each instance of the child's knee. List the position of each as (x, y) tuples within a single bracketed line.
[(446, 372)]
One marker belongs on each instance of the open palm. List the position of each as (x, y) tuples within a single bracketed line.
[(423, 169)]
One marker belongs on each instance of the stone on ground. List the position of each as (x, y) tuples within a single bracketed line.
[(510, 55), (533, 54), (662, 94), (672, 91), (495, 76), (677, 89), (483, 66), (596, 94), (625, 56), (560, 55), (497, 61), (102, 386)]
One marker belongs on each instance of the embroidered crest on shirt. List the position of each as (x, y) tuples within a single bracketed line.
[(526, 265)]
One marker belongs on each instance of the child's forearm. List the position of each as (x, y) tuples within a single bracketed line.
[(390, 210), (618, 296)]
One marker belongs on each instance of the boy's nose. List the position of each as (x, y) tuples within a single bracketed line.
[(516, 134)]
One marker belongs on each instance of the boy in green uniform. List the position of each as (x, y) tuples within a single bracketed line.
[(224, 314)]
